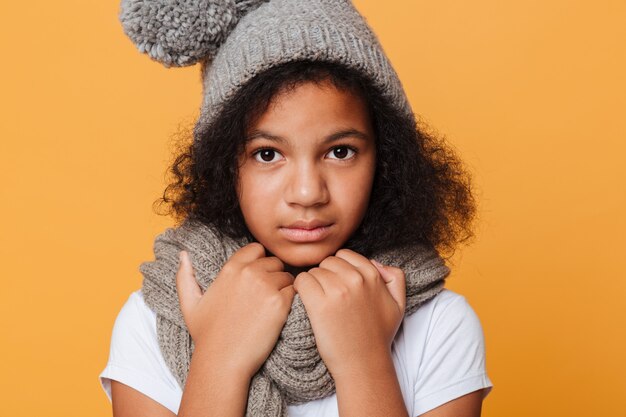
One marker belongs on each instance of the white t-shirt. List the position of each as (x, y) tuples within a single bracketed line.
[(438, 353)]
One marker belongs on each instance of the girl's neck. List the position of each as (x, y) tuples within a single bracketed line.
[(295, 270)]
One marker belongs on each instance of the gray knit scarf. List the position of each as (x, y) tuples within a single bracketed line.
[(294, 372)]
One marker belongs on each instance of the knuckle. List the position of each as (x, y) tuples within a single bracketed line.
[(371, 271), (327, 261), (298, 280), (354, 278), (256, 246), (285, 302), (228, 268), (248, 269), (275, 302), (277, 261), (343, 292)]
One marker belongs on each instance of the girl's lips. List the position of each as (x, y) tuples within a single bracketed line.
[(304, 235)]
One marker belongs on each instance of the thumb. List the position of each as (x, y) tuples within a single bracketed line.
[(395, 280), (189, 292)]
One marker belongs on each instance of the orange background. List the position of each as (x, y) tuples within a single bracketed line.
[(532, 94)]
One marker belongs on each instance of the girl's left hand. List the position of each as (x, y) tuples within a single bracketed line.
[(355, 308)]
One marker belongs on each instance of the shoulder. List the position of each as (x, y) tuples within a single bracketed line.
[(135, 326), (441, 312), (135, 316), (445, 351), (135, 358)]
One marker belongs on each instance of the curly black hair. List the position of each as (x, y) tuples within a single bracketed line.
[(421, 191)]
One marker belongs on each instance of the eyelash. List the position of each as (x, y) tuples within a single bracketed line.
[(256, 152)]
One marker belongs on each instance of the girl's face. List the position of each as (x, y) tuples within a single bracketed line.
[(310, 158)]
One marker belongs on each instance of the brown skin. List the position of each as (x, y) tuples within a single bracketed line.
[(355, 306), (305, 177)]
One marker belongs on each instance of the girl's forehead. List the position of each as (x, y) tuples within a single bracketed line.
[(313, 105), (362, 136), (323, 86)]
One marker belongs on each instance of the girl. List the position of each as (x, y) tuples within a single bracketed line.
[(302, 278)]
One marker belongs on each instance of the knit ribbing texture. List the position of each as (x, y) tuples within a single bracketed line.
[(235, 40), (281, 31), (294, 373)]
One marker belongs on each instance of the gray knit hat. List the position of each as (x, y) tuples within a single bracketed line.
[(237, 39)]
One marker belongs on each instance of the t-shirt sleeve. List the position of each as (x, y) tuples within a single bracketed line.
[(135, 358), (454, 357)]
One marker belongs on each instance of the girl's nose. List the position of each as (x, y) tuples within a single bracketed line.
[(306, 186)]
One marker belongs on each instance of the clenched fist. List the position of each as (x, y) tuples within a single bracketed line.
[(240, 316)]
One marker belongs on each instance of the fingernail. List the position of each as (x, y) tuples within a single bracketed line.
[(375, 262)]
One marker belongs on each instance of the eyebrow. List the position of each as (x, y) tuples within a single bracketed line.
[(330, 138)]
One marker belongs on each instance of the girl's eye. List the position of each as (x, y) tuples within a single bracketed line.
[(266, 155), (341, 152)]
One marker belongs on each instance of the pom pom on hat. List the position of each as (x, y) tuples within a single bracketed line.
[(253, 36), (181, 32)]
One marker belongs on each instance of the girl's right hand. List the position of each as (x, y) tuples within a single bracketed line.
[(240, 316)]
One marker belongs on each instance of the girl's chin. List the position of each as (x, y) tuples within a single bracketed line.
[(304, 260)]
